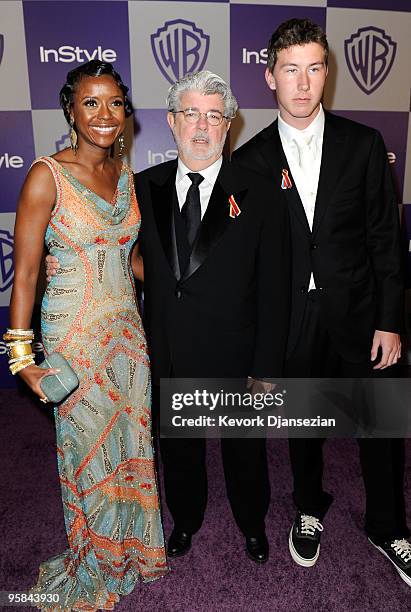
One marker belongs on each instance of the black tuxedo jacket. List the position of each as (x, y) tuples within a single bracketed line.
[(353, 249), (226, 314)]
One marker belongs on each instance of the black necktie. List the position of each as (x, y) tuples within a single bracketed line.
[(191, 210)]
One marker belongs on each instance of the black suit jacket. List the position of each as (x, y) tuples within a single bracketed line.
[(354, 247), (226, 314)]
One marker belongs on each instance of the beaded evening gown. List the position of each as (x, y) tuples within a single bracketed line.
[(104, 444)]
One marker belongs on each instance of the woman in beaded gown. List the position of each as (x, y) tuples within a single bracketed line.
[(82, 203)]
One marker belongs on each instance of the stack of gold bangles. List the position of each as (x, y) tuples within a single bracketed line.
[(18, 342)]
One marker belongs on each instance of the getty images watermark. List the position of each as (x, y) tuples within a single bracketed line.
[(306, 408), (205, 399)]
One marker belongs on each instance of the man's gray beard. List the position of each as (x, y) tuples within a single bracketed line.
[(188, 152)]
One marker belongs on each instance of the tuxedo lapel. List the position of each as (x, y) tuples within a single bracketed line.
[(217, 217), (277, 161), (162, 198), (331, 168)]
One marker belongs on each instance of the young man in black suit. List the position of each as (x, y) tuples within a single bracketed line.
[(214, 241), (347, 286)]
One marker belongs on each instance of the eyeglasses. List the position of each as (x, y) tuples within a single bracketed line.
[(192, 115)]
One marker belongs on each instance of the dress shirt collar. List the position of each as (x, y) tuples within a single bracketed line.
[(210, 173), (290, 133)]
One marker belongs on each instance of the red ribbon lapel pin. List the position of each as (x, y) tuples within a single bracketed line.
[(285, 181), (234, 208)]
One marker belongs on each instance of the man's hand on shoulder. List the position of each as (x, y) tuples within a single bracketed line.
[(52, 265), (390, 344)]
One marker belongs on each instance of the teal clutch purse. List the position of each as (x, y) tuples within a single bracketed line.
[(58, 386)]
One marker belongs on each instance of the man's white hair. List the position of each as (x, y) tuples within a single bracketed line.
[(207, 83)]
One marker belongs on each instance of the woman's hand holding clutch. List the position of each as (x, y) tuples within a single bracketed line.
[(33, 375)]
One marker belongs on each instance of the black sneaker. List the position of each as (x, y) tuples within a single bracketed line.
[(399, 553), (304, 540)]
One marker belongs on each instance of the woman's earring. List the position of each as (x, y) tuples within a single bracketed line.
[(73, 137), (121, 145)]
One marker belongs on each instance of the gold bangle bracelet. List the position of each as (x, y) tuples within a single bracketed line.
[(17, 367), (21, 358), (19, 350), (15, 342), (19, 332), (22, 367), (17, 337)]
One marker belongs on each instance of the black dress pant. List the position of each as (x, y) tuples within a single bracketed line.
[(382, 460), (185, 480)]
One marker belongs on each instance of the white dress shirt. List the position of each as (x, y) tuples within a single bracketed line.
[(303, 150), (183, 183)]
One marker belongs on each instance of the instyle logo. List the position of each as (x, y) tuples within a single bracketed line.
[(254, 57), (154, 158), (11, 161), (68, 54), (6, 260), (369, 54), (179, 47), (1, 46)]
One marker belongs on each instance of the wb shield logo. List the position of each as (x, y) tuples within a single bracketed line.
[(179, 47), (6, 260), (370, 54), (63, 142), (1, 46)]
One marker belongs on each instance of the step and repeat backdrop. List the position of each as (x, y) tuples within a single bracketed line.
[(153, 43)]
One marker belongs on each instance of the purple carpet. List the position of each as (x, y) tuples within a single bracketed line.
[(216, 575)]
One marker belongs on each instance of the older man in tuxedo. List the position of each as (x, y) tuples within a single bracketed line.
[(347, 286), (214, 241)]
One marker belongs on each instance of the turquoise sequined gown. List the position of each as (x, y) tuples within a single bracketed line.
[(104, 444)]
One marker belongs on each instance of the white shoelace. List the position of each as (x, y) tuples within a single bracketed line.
[(309, 524), (402, 549)]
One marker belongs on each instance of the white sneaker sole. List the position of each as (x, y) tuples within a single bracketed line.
[(297, 558), (402, 574)]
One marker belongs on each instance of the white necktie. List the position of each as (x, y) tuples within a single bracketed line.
[(306, 152)]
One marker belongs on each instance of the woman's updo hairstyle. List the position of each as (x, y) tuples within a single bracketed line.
[(94, 68)]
